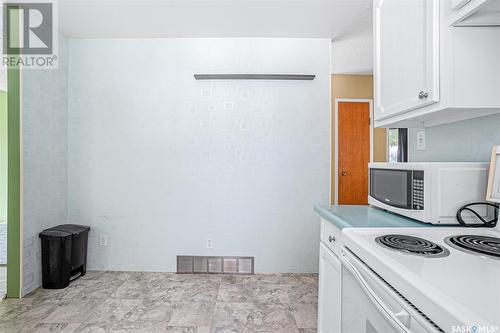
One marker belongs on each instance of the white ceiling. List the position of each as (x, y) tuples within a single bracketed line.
[(353, 54), (334, 19)]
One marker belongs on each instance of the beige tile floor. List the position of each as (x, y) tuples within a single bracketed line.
[(164, 302)]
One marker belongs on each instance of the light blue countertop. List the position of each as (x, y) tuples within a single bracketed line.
[(343, 216)]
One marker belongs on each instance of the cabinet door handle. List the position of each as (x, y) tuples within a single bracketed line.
[(331, 239), (422, 95)]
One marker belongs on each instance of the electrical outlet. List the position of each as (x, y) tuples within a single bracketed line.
[(103, 240), (210, 243), (421, 140)]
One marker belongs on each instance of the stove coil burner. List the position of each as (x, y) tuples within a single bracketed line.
[(413, 245), (476, 244)]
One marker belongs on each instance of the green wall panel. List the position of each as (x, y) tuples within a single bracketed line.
[(3, 156), (13, 182), (13, 187)]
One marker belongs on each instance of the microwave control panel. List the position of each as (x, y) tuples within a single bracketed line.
[(418, 190)]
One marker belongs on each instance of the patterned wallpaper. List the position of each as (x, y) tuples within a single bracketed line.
[(44, 121), (159, 162)]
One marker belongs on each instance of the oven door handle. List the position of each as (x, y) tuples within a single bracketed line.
[(400, 320)]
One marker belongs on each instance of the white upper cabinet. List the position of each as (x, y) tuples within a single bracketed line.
[(427, 72), (407, 56)]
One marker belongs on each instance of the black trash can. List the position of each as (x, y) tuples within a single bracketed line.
[(64, 254)]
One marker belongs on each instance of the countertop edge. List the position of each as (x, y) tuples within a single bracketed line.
[(365, 216), (325, 213)]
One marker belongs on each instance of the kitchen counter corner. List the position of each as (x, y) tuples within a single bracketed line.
[(346, 216)]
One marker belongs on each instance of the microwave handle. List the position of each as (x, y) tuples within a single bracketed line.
[(400, 320)]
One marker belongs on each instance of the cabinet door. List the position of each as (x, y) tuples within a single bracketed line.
[(330, 269), (406, 42)]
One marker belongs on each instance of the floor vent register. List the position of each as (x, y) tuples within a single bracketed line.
[(215, 265)]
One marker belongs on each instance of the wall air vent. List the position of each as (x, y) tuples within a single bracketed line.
[(215, 265)]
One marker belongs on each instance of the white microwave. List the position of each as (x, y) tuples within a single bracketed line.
[(429, 192)]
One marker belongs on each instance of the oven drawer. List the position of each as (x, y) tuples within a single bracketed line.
[(330, 236)]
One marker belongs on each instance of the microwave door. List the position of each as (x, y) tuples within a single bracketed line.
[(392, 187)]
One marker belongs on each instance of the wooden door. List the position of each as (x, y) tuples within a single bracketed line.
[(406, 68), (354, 152)]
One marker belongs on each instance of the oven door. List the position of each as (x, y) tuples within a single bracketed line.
[(369, 305)]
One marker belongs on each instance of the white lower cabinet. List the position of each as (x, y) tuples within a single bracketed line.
[(330, 274)]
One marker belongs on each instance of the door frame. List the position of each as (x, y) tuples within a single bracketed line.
[(336, 136)]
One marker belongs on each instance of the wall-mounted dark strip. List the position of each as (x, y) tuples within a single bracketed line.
[(253, 77)]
